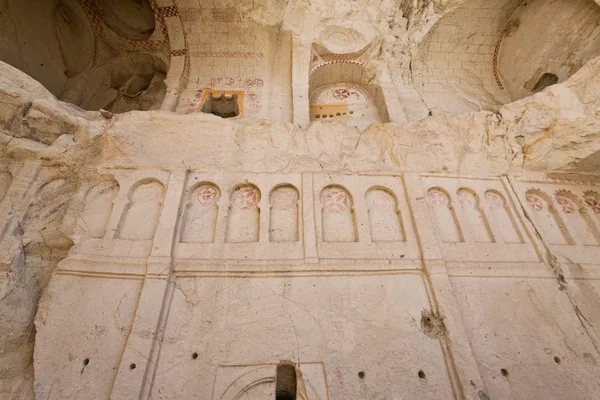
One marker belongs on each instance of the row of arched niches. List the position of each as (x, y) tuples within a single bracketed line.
[(300, 216)]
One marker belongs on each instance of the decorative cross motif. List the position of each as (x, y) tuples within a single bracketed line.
[(466, 198), (335, 201), (380, 201), (206, 194), (567, 205), (246, 197), (341, 93), (535, 202), (438, 198), (494, 200)]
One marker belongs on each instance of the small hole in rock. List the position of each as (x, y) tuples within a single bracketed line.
[(194, 356), (86, 361), (338, 114), (330, 115), (421, 374), (361, 375), (557, 360), (132, 366), (504, 372), (545, 80)]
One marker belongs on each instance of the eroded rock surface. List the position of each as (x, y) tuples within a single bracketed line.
[(373, 213)]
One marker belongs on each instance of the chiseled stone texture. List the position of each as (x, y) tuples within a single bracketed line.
[(424, 237)]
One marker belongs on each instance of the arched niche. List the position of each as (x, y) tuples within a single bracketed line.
[(337, 213), (547, 218), (445, 216), (475, 219), (502, 221), (142, 211), (243, 222), (284, 218), (385, 220), (201, 211), (341, 92), (578, 218), (546, 42), (133, 19), (99, 202)]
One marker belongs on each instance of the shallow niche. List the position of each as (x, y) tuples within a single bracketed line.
[(133, 19), (200, 218), (140, 218), (547, 217), (99, 202), (338, 219), (243, 224), (385, 220), (284, 214), (578, 218), (475, 219), (502, 220), (445, 215)]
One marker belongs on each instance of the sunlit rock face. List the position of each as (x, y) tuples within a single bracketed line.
[(299, 200)]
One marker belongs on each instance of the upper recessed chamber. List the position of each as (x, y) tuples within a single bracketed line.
[(130, 18), (84, 52)]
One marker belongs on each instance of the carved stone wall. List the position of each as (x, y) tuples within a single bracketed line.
[(363, 215)]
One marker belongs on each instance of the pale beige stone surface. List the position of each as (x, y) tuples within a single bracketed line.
[(227, 188)]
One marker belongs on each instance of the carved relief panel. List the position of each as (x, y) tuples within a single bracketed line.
[(475, 221), (567, 216), (362, 217), (241, 217), (119, 215)]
